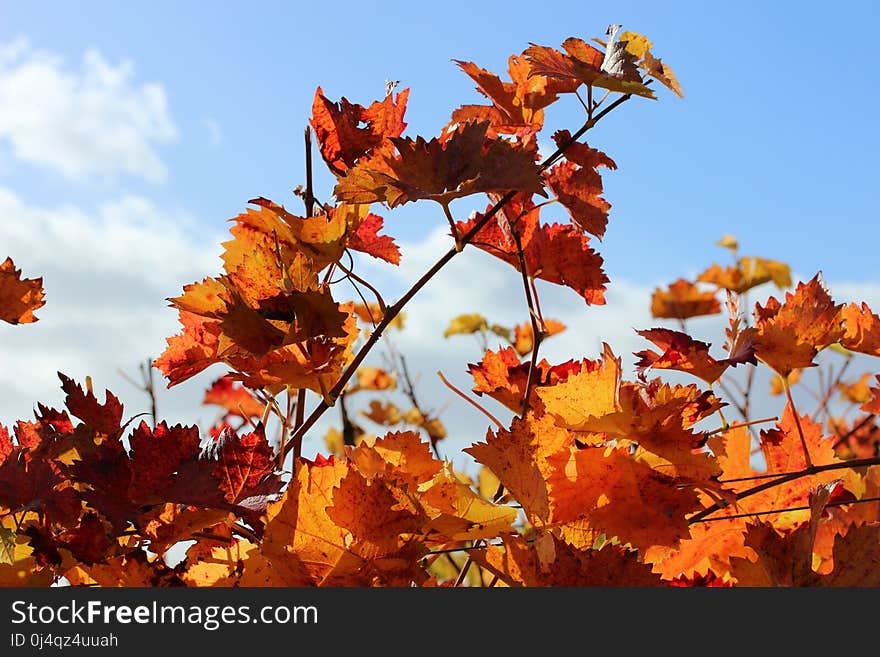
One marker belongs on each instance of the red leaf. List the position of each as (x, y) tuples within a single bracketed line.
[(105, 417), (366, 239)]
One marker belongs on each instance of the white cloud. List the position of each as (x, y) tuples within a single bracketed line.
[(106, 274), (96, 119), (215, 132)]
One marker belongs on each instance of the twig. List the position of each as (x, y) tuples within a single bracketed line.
[(849, 434), (737, 425), (537, 331), (811, 470), (807, 507), (797, 421), (350, 274), (469, 400)]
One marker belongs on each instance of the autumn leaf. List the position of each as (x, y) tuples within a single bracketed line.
[(519, 458), (366, 239), (556, 253), (578, 185), (517, 564), (236, 399), (619, 495), (517, 106), (585, 64), (466, 324), (683, 300), (790, 334), (349, 132), (640, 47), (593, 392), (386, 414), (399, 455), (19, 297), (857, 392), (749, 272), (465, 163), (502, 376), (524, 339), (681, 352), (873, 405), (862, 329)]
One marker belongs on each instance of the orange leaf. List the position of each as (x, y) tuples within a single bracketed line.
[(681, 352), (593, 392), (873, 405), (857, 392), (19, 297), (237, 400), (619, 495), (586, 64), (524, 339), (466, 163), (791, 334), (748, 273), (517, 106), (366, 239), (519, 459), (401, 455), (517, 564), (342, 138), (862, 329), (578, 185), (683, 300), (556, 253)]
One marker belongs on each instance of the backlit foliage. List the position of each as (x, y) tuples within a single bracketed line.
[(595, 476)]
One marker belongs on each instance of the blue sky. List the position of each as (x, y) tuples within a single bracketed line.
[(775, 142)]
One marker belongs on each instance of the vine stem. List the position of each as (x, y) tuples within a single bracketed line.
[(469, 400), (797, 421), (395, 308), (791, 476), (845, 437), (537, 331), (737, 425), (864, 500)]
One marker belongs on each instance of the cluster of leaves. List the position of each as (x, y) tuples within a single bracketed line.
[(595, 479)]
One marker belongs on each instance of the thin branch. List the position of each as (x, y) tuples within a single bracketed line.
[(464, 571), (537, 331), (766, 475), (469, 400), (737, 425), (452, 227), (350, 274), (832, 386), (466, 548), (397, 307), (849, 434), (811, 470), (864, 500), (241, 530), (797, 421), (738, 405)]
